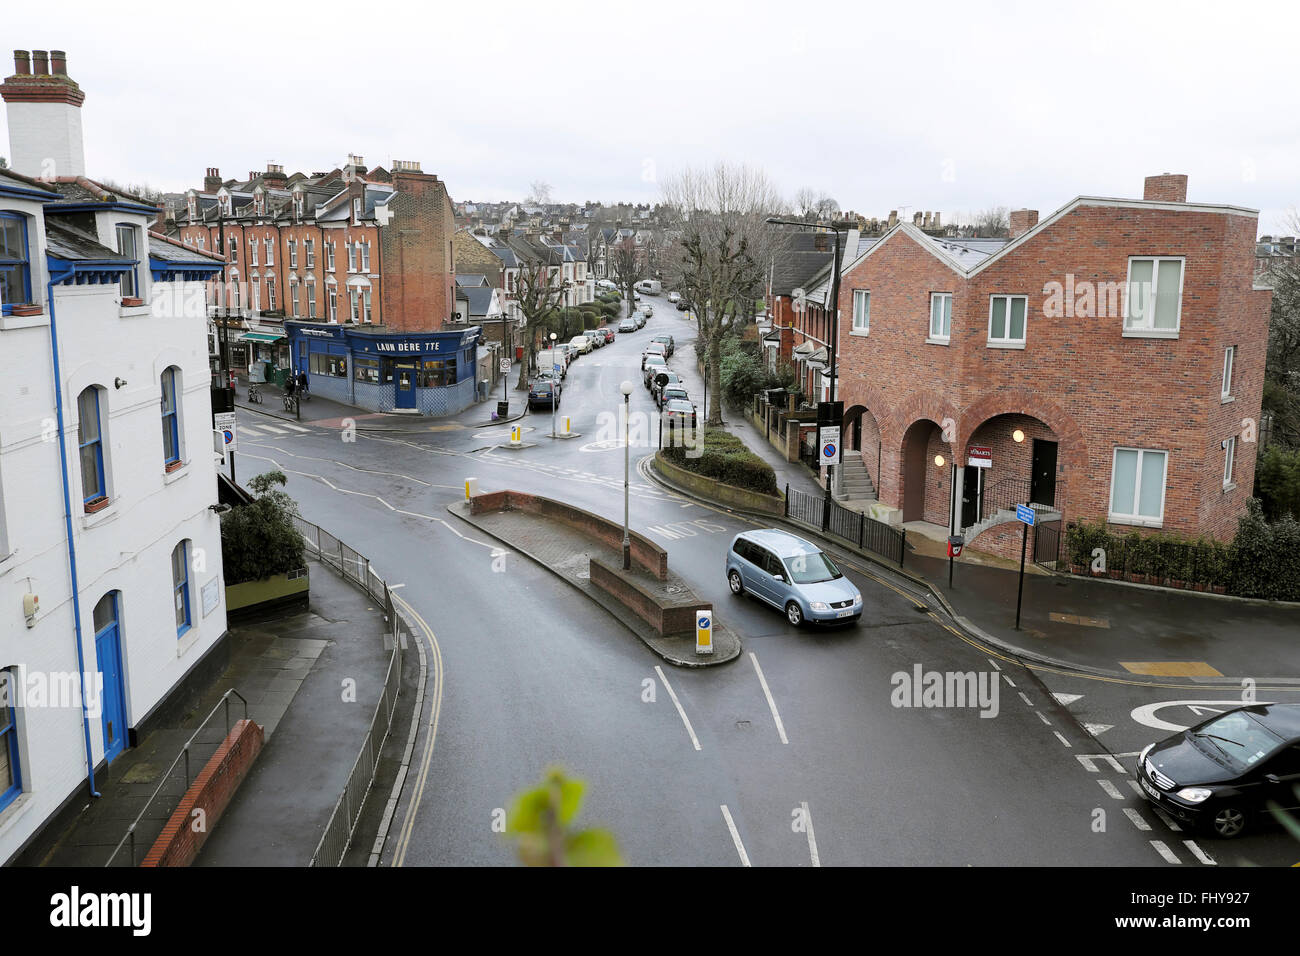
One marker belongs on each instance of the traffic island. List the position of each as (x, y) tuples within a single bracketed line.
[(585, 550)]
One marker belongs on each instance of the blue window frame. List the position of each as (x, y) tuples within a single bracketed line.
[(181, 586), (126, 245), (91, 446), (11, 774), (170, 425), (15, 270)]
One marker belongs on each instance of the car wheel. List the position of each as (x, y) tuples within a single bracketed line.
[(737, 586), (1228, 822), (794, 613)]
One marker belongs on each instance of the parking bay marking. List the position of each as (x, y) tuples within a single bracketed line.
[(685, 720), (780, 728), (731, 826)]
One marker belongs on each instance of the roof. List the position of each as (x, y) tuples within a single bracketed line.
[(66, 242), (169, 250), (470, 280), (782, 543), (480, 299), (13, 183)]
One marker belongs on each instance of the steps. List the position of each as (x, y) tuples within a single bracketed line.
[(1044, 514), (853, 483)]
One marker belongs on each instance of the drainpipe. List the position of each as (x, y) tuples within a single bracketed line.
[(67, 525)]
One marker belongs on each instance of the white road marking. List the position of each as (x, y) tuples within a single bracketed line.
[(812, 839), (735, 835), (1043, 719), (297, 428), (1028, 702), (1199, 853), (780, 728), (1164, 851), (1060, 738), (249, 430), (1136, 819), (689, 729), (1135, 787), (1097, 729), (1088, 765), (1112, 791), (1146, 714), (1166, 819), (994, 663), (273, 429), (1065, 700), (1007, 679)]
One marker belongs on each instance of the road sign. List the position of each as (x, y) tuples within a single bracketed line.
[(703, 632), (224, 422), (979, 456), (661, 379), (557, 369), (505, 365), (1026, 514), (829, 438)]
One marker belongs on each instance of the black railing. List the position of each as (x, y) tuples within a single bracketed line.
[(1047, 544), (855, 527)]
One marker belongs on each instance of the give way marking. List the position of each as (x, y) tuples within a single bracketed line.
[(1146, 714)]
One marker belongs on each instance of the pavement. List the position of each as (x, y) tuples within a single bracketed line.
[(1092, 624), (289, 666)]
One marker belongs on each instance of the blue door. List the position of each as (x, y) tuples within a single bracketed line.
[(404, 383), (108, 654)]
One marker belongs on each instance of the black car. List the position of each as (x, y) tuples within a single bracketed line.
[(540, 392), (1223, 773)]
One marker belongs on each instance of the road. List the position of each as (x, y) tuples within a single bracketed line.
[(793, 755)]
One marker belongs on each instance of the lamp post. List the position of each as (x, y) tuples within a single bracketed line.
[(554, 383), (627, 541)]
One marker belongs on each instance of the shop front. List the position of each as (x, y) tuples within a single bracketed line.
[(430, 373)]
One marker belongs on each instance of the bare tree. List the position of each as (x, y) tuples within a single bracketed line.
[(805, 202), (628, 268), (724, 240), (539, 193), (992, 223), (538, 291)]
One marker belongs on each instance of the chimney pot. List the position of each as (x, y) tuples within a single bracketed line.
[(40, 62), (58, 63), (1167, 187), (22, 63)]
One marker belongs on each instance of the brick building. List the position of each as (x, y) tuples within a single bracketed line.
[(1110, 356)]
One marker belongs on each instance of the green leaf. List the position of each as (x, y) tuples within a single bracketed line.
[(592, 848)]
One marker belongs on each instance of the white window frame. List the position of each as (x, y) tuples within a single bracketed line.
[(856, 327), (1147, 329), (309, 253), (1007, 342), (1229, 460), (293, 253), (270, 252), (1229, 366), (352, 257), (329, 256), (365, 256), (234, 249), (1144, 521), (252, 253), (940, 338)]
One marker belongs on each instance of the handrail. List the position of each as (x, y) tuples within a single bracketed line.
[(185, 753)]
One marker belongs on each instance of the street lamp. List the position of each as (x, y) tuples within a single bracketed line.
[(553, 384), (627, 541)]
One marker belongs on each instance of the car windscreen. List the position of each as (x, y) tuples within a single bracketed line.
[(1237, 739), (812, 568)]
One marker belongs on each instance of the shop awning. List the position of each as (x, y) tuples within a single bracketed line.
[(261, 337)]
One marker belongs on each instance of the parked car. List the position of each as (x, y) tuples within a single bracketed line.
[(1221, 774), (608, 333), (654, 348), (792, 575), (649, 286), (647, 310), (672, 378), (628, 325), (674, 297), (667, 342), (581, 344), (682, 306), (639, 318), (549, 358), (541, 391), (671, 393), (650, 365), (597, 337), (679, 409)]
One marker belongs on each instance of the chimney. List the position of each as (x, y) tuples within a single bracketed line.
[(893, 219), (936, 221), (1021, 221), (1167, 187), (212, 180), (58, 63), (916, 219), (44, 113)]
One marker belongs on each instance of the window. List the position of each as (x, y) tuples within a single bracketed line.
[(367, 370), (1229, 453), (435, 373), (170, 419), (365, 256), (181, 586), (323, 363), (365, 302), (15, 270), (1007, 320), (90, 446), (311, 300), (293, 253), (1155, 293), (1229, 356), (1137, 486), (201, 243), (126, 247), (329, 256), (353, 314), (352, 258), (861, 311), (270, 294), (293, 298), (234, 248), (333, 304), (252, 252), (309, 250), (257, 293), (940, 316), (11, 777), (270, 251)]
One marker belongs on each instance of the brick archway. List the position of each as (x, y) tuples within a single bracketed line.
[(1033, 404)]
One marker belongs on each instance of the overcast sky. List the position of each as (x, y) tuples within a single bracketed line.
[(939, 106)]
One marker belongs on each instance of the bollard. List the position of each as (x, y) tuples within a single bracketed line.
[(703, 632), (516, 435), (568, 423), (471, 488)]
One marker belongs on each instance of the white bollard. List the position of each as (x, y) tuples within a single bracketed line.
[(567, 424), (471, 488)]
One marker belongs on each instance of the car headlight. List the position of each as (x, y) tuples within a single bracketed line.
[(857, 600), (820, 606), (1142, 757), (1194, 794)]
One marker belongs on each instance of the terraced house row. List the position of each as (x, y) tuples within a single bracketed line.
[(1104, 362)]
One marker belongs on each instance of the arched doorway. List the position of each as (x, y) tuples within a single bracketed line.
[(925, 484)]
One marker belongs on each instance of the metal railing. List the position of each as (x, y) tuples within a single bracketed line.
[(184, 755), (855, 527), (355, 567), (1047, 543)]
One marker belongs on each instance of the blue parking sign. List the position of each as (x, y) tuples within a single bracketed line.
[(1026, 514)]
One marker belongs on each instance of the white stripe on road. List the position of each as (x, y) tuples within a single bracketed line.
[(735, 835), (272, 429), (995, 664), (812, 839), (689, 729), (248, 430), (1007, 679), (297, 428), (1028, 702), (1164, 851), (1136, 819), (780, 728), (1133, 785), (1042, 718), (1060, 738), (1111, 790), (1166, 819), (1199, 853)]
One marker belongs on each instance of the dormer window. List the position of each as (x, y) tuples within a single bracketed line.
[(126, 247), (297, 205), (356, 209), (15, 269)]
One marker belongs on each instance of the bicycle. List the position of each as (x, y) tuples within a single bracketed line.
[(255, 394), (289, 404)]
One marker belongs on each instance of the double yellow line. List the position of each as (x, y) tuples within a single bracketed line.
[(435, 710)]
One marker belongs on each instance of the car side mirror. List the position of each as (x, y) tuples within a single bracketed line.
[(778, 577)]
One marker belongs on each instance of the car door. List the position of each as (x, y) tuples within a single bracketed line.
[(778, 577), (1281, 779), (753, 571)]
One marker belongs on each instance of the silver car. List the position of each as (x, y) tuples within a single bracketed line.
[(792, 575)]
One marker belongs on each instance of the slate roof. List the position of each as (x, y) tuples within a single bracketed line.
[(480, 300), (470, 280), (67, 242)]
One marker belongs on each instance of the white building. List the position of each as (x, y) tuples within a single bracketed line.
[(110, 551)]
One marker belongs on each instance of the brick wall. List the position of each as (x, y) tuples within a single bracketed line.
[(180, 841), (665, 617), (418, 254)]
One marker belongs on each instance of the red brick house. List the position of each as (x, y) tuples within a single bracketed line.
[(1111, 357)]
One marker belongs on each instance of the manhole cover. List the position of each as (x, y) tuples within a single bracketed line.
[(742, 725)]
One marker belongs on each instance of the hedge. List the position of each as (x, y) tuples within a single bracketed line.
[(259, 539), (727, 459), (1263, 560)]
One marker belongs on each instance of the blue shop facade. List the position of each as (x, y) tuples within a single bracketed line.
[(426, 373)]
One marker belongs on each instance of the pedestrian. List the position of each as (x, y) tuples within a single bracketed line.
[(302, 381), (288, 387)]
